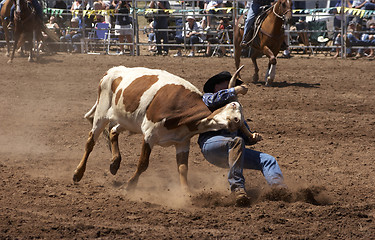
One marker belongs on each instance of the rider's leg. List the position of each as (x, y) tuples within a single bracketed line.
[(252, 12), (38, 9), (11, 17)]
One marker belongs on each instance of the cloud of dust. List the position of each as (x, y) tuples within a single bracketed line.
[(207, 188)]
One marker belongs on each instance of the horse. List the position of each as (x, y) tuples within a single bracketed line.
[(267, 40), (26, 28), (4, 18)]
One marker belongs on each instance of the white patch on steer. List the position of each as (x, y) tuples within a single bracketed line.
[(226, 118)]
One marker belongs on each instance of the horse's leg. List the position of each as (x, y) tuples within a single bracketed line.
[(271, 71), (142, 165), (14, 48), (182, 156), (31, 50), (35, 45), (256, 68), (237, 56), (237, 46), (6, 35)]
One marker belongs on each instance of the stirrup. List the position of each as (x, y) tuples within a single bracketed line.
[(10, 25), (245, 44)]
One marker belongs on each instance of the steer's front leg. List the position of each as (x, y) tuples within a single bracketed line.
[(182, 157)]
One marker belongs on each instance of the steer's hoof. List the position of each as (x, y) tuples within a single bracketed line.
[(77, 177), (115, 165), (131, 186)]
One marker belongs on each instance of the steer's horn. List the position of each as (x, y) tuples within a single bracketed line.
[(232, 82)]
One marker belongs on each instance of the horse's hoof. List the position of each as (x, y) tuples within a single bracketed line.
[(269, 83), (255, 79), (10, 61)]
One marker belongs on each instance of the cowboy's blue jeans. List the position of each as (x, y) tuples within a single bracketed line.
[(217, 151)]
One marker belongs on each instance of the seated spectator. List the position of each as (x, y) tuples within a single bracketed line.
[(98, 18), (370, 25), (209, 8), (353, 38), (364, 4), (193, 34), (224, 36), (73, 35), (77, 5), (123, 27), (151, 36), (54, 34)]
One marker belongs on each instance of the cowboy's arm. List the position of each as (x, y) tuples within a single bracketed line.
[(220, 98), (255, 137)]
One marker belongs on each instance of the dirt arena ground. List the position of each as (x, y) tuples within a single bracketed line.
[(318, 120)]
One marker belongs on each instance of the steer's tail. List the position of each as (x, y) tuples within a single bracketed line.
[(90, 114)]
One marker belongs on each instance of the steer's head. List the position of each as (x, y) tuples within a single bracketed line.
[(234, 117), (228, 117)]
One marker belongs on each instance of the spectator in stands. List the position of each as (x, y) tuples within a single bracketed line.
[(370, 25), (353, 38), (77, 5), (151, 36), (161, 25), (364, 4), (123, 27), (193, 34), (112, 18), (73, 35), (224, 36), (54, 26), (98, 18), (209, 8), (54, 34)]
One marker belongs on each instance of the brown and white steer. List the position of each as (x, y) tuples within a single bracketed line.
[(165, 108)]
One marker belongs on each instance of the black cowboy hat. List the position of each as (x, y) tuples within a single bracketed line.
[(218, 78)]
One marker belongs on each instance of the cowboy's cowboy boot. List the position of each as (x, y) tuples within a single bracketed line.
[(246, 40)]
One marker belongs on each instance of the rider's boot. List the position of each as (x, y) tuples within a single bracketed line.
[(10, 25), (246, 39)]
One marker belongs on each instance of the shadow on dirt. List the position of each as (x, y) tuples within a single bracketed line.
[(286, 84), (315, 195)]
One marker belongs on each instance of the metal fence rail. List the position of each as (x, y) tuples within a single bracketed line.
[(140, 11)]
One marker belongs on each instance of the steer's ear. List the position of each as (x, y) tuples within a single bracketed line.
[(232, 82)]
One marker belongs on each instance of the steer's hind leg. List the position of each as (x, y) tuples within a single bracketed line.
[(142, 165), (116, 155), (93, 137), (182, 157)]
